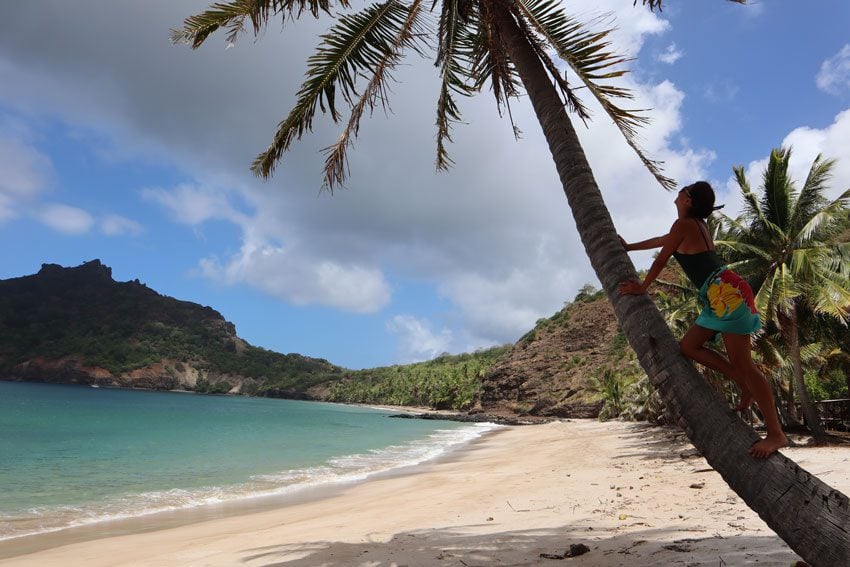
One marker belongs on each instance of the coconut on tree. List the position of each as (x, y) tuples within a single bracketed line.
[(509, 45)]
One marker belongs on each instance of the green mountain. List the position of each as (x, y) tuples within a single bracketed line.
[(78, 325)]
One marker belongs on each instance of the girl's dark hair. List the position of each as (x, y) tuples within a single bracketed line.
[(702, 199)]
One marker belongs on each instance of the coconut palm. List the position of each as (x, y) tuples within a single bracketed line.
[(507, 45), (785, 243)]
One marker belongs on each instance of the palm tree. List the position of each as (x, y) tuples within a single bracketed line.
[(785, 243), (507, 43)]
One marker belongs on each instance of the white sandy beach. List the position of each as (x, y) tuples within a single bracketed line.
[(630, 492)]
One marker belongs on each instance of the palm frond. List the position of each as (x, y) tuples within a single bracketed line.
[(732, 225), (744, 248), (586, 53), (778, 195), (811, 352), (765, 299), (811, 197), (806, 264), (752, 207), (832, 297), (489, 59), (336, 165), (842, 259), (684, 289), (451, 35), (533, 37), (657, 4), (232, 16), (785, 288), (754, 210), (356, 44), (831, 214)]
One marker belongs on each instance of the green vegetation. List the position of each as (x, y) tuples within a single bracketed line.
[(447, 382), (794, 248), (588, 293), (792, 245)]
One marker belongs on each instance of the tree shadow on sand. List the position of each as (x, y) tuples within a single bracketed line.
[(653, 442), (455, 547)]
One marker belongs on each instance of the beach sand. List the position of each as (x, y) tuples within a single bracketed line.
[(634, 494)]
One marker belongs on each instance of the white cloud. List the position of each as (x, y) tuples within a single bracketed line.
[(302, 280), (417, 342), (670, 54), (193, 205), (832, 142), (834, 74), (65, 218), (630, 25), (24, 171), (495, 234), (116, 225), (501, 310), (806, 143)]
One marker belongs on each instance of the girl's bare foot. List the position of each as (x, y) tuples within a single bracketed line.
[(768, 445)]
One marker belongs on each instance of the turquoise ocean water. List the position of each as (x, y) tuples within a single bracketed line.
[(75, 455)]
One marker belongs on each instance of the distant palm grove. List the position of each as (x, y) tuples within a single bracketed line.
[(447, 382)]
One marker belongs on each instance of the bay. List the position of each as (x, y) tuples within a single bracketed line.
[(76, 455)]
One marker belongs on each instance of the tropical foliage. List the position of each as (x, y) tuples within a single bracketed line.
[(447, 382), (786, 242), (795, 260)]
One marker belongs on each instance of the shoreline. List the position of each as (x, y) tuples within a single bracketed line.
[(634, 494), (145, 522)]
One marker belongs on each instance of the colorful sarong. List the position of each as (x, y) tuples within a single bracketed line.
[(728, 305)]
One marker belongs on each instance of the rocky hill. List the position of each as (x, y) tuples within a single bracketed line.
[(78, 325), (556, 369)]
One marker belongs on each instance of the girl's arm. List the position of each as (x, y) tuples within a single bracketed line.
[(649, 244), (669, 244)]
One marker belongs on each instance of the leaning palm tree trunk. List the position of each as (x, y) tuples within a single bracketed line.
[(811, 517)]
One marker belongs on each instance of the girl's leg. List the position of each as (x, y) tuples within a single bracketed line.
[(693, 346), (740, 357)]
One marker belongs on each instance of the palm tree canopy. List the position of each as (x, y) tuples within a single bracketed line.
[(356, 57), (787, 240)]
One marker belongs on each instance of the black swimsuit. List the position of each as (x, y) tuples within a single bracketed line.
[(699, 266)]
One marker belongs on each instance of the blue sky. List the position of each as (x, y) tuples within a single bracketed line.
[(117, 145)]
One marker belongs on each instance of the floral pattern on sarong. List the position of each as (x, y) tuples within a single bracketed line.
[(727, 292), (743, 286)]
